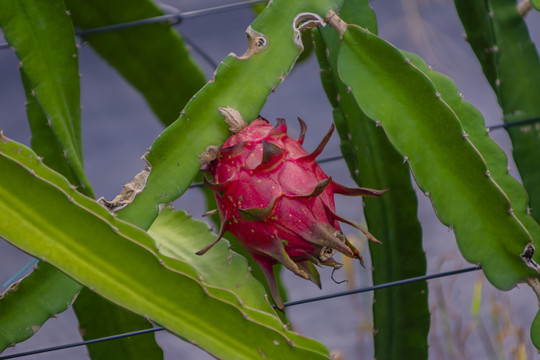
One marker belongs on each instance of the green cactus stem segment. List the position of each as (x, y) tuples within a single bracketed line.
[(462, 183)]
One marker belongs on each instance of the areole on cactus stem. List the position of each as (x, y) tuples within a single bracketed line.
[(276, 200)]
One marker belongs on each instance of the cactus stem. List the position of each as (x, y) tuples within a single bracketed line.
[(336, 22)]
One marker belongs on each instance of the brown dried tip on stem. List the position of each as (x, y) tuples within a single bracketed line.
[(210, 213), (209, 155), (233, 118), (524, 7), (335, 21), (303, 22), (129, 191)]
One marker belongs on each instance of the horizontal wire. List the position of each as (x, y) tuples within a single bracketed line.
[(203, 54), (220, 9), (81, 343), (382, 286), (287, 304), (174, 17), (508, 125)]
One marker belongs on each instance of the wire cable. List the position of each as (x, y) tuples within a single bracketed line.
[(287, 304), (382, 286), (203, 54), (508, 125), (173, 16), (81, 343)]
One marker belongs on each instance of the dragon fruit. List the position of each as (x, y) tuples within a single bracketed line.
[(276, 200)]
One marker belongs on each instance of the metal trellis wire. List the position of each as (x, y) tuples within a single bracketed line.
[(173, 16), (287, 304)]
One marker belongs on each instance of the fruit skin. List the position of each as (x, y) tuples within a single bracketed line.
[(277, 201)]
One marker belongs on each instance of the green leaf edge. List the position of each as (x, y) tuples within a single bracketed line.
[(153, 58), (18, 155), (239, 83), (51, 69), (428, 96), (374, 163)]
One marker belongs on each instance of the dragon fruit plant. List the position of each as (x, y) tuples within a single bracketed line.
[(276, 200)]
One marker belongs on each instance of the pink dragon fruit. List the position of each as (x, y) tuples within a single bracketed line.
[(276, 200)]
